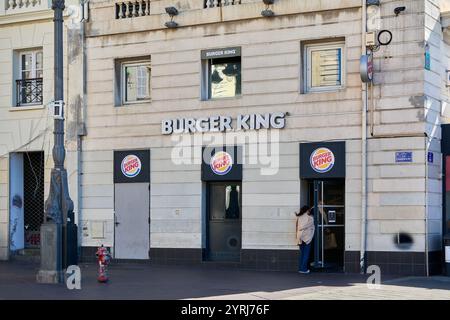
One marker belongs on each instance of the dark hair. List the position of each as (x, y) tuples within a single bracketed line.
[(303, 210)]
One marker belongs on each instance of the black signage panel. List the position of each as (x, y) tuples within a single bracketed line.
[(445, 142), (222, 163), (322, 160), (131, 166), (221, 53)]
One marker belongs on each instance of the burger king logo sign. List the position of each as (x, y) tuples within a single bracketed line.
[(131, 166), (322, 160), (221, 163)]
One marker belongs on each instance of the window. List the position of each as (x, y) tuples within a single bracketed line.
[(324, 66), (221, 73), (224, 78), (29, 84), (135, 82)]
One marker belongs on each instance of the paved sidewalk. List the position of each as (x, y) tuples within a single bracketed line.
[(145, 281)]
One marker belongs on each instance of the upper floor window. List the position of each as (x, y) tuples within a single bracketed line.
[(324, 66), (221, 73), (29, 85), (135, 81)]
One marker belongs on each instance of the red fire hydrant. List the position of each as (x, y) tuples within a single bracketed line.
[(103, 257)]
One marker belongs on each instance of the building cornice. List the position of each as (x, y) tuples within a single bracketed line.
[(195, 17), (46, 14)]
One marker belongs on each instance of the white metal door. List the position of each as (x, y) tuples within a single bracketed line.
[(132, 212), (17, 220)]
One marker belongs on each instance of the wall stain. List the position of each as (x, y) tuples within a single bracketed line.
[(75, 43), (417, 101), (74, 120)]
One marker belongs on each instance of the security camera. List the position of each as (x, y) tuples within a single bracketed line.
[(398, 10)]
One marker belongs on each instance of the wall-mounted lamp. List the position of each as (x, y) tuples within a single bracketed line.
[(398, 10), (267, 12), (172, 12)]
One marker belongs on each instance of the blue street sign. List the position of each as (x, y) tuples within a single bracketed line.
[(404, 156), (430, 157)]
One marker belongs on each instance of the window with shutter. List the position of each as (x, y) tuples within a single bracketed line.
[(324, 67)]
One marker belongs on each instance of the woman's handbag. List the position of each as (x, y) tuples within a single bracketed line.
[(330, 240)]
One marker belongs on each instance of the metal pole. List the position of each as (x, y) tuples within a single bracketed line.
[(316, 222), (59, 206), (364, 97), (321, 211)]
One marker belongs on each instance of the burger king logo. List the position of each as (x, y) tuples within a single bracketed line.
[(221, 163), (322, 160), (131, 166)]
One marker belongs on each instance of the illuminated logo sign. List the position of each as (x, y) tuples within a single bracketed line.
[(322, 160), (131, 166), (221, 163)]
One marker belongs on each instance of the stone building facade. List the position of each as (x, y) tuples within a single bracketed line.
[(149, 88)]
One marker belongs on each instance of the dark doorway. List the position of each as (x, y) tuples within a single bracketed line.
[(33, 196), (328, 199), (224, 221)]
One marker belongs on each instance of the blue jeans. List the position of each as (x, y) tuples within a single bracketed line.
[(303, 257)]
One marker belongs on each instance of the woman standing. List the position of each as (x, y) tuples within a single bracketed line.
[(305, 234)]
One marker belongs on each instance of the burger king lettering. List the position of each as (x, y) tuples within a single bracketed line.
[(131, 166), (322, 160)]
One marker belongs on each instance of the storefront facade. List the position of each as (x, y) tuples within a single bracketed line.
[(202, 141)]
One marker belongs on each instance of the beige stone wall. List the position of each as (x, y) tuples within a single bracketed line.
[(436, 112), (271, 73), (28, 128), (271, 82)]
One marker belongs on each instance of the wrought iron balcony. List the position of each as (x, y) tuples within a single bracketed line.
[(28, 91)]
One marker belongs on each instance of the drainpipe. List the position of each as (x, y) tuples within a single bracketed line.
[(427, 141), (81, 130), (363, 146)]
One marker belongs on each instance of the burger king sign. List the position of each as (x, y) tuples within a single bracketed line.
[(221, 163), (322, 160), (131, 166)]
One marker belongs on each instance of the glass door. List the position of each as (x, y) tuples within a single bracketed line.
[(224, 221), (327, 199)]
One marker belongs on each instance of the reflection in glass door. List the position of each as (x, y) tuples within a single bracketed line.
[(224, 221), (329, 217)]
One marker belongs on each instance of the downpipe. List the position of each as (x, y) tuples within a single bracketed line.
[(364, 96)]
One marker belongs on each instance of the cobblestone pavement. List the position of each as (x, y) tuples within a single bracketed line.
[(145, 281)]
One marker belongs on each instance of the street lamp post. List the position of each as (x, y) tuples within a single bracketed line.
[(59, 206)]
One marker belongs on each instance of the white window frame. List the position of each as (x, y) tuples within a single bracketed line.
[(307, 65), (33, 62), (123, 85)]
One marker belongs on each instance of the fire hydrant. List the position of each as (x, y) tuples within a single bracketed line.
[(103, 257)]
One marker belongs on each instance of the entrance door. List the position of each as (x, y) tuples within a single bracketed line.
[(224, 221), (26, 201), (328, 197), (132, 231)]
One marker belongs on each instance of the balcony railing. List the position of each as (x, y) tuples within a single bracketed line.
[(220, 3), (19, 6), (29, 91), (130, 9)]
